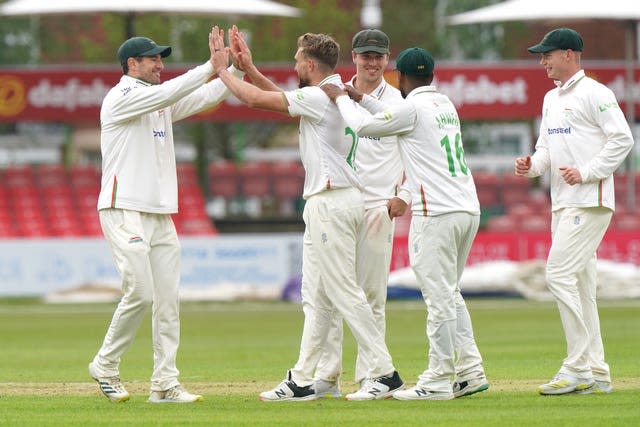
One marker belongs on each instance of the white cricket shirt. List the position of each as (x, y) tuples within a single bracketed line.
[(378, 161), (582, 127), (430, 142), (327, 145), (138, 158)]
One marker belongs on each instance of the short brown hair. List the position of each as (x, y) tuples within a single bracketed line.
[(320, 47)]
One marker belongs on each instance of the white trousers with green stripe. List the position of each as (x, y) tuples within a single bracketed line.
[(373, 257), (572, 279), (147, 254), (329, 287), (438, 250)]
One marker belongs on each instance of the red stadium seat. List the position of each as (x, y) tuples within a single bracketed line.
[(187, 175), (51, 176), (85, 176), (501, 223), (288, 185), (224, 179)]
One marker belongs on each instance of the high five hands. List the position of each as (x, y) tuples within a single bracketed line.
[(238, 50)]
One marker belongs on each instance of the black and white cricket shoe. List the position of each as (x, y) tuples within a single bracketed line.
[(378, 388), (288, 390)]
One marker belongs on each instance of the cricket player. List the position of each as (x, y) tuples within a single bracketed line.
[(333, 216), (445, 217), (380, 171), (138, 195), (583, 139)]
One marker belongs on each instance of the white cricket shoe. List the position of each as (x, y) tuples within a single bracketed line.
[(325, 388), (469, 387), (111, 387), (419, 393), (564, 383), (175, 394), (377, 388), (600, 387)]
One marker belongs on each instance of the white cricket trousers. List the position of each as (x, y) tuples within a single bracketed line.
[(373, 258), (329, 288), (572, 279), (438, 250), (147, 255)]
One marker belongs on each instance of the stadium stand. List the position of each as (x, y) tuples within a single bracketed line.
[(43, 201)]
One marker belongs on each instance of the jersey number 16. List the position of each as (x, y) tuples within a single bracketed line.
[(459, 154)]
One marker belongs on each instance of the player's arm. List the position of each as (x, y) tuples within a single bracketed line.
[(394, 120), (242, 59), (247, 93), (253, 96), (619, 139)]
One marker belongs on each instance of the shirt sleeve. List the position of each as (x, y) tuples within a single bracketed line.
[(393, 120), (541, 159), (140, 100), (619, 140), (373, 105), (208, 95), (310, 102)]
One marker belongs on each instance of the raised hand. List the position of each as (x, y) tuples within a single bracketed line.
[(240, 52), (219, 53)]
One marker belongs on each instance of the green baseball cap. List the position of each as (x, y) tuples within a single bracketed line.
[(415, 61), (370, 41), (141, 46), (560, 38)]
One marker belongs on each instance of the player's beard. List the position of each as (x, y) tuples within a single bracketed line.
[(303, 83)]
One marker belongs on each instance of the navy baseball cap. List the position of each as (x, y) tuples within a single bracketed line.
[(415, 61), (141, 46), (560, 38)]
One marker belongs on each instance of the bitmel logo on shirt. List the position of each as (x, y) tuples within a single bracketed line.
[(135, 239), (554, 131)]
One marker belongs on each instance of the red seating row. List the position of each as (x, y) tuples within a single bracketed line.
[(256, 188), (282, 179), (527, 218), (50, 201)]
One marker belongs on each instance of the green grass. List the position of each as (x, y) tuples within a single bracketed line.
[(232, 351)]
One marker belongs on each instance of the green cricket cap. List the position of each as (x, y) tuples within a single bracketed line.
[(415, 61), (141, 46), (370, 41), (560, 38)]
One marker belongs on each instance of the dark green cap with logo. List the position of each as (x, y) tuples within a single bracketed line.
[(415, 61), (141, 46), (370, 41), (560, 38)]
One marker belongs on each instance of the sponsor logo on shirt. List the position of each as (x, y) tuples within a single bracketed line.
[(135, 239), (126, 90), (372, 138), (158, 133), (607, 105), (555, 131)]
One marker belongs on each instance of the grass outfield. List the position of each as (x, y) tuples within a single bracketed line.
[(232, 351)]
